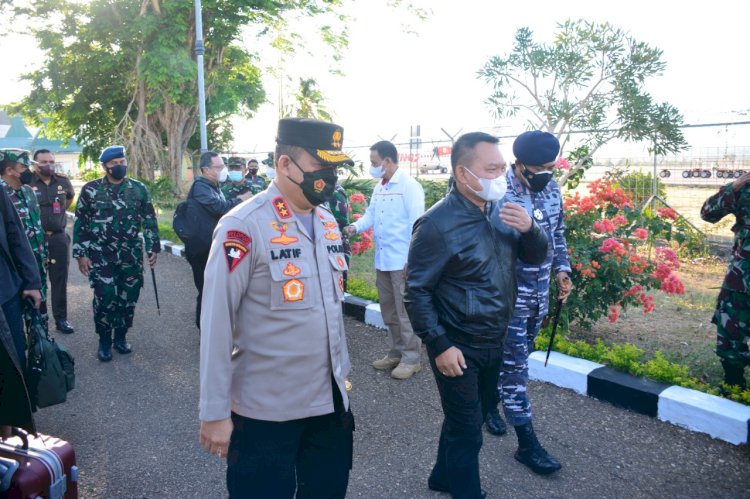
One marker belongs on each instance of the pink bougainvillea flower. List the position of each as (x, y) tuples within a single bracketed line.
[(562, 164), (357, 197), (667, 213), (641, 233)]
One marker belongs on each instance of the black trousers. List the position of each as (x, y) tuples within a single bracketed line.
[(59, 251), (197, 262), (465, 400), (14, 317), (272, 460)]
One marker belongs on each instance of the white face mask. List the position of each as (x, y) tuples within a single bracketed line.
[(377, 171), (271, 173), (223, 174), (493, 189)]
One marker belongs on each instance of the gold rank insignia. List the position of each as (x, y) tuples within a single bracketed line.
[(293, 290), (338, 135), (281, 208), (332, 236), (283, 238), (291, 270), (330, 225)]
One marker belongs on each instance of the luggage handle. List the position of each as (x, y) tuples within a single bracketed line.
[(23, 436)]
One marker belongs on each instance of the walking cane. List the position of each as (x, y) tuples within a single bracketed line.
[(156, 291), (554, 329)]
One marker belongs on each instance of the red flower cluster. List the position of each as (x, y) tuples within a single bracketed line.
[(612, 245), (562, 164), (357, 197), (363, 242), (609, 242), (667, 213)]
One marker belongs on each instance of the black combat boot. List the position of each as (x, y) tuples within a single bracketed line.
[(120, 344), (531, 453), (495, 424), (105, 347), (734, 374)]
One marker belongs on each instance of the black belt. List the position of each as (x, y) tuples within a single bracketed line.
[(471, 340), (53, 232)]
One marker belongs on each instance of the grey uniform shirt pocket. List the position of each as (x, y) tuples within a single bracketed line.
[(293, 285)]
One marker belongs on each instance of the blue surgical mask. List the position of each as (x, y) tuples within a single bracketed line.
[(235, 175)]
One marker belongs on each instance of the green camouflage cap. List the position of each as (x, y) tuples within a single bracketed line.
[(18, 155), (236, 161)]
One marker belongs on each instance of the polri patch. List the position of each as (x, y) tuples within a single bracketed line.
[(236, 235), (293, 290), (235, 252)]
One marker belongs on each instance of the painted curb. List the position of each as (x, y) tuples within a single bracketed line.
[(696, 411)]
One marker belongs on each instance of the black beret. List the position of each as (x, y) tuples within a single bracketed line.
[(536, 148), (321, 139)]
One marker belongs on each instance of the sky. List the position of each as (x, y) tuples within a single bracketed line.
[(394, 80)]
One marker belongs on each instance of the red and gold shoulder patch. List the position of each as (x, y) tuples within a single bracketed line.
[(293, 290), (279, 204), (340, 260), (236, 235), (235, 252), (341, 283)]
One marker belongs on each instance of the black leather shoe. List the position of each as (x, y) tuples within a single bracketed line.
[(64, 327), (440, 487), (105, 353), (531, 453), (495, 424), (122, 347), (437, 485)]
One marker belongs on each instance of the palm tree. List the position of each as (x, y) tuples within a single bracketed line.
[(308, 102)]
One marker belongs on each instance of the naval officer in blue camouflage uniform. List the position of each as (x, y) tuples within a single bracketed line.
[(530, 184)]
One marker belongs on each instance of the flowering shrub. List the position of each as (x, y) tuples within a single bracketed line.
[(614, 254), (362, 242)]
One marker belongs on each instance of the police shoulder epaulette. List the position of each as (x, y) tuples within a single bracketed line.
[(61, 175)]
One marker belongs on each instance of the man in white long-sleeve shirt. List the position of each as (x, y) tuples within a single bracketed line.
[(397, 201)]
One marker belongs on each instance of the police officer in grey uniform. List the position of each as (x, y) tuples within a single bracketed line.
[(55, 194), (273, 351), (530, 184)]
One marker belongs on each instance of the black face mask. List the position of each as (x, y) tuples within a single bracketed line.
[(318, 187), (27, 176), (118, 172), (253, 171), (537, 181)]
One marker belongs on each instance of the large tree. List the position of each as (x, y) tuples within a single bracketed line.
[(124, 71), (591, 79)]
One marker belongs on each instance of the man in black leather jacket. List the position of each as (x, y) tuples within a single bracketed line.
[(207, 194), (461, 290)]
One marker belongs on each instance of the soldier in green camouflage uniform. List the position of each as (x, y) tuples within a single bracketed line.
[(339, 206), (732, 315), (110, 213), (15, 177), (236, 182)]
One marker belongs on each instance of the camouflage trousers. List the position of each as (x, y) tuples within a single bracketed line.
[(514, 370), (732, 319), (117, 286)]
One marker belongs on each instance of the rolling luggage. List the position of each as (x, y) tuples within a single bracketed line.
[(41, 466)]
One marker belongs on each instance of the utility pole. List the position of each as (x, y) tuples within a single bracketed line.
[(199, 50)]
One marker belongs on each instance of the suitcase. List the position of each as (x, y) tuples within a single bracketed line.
[(42, 466)]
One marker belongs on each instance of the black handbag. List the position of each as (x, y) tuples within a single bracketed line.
[(50, 371)]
